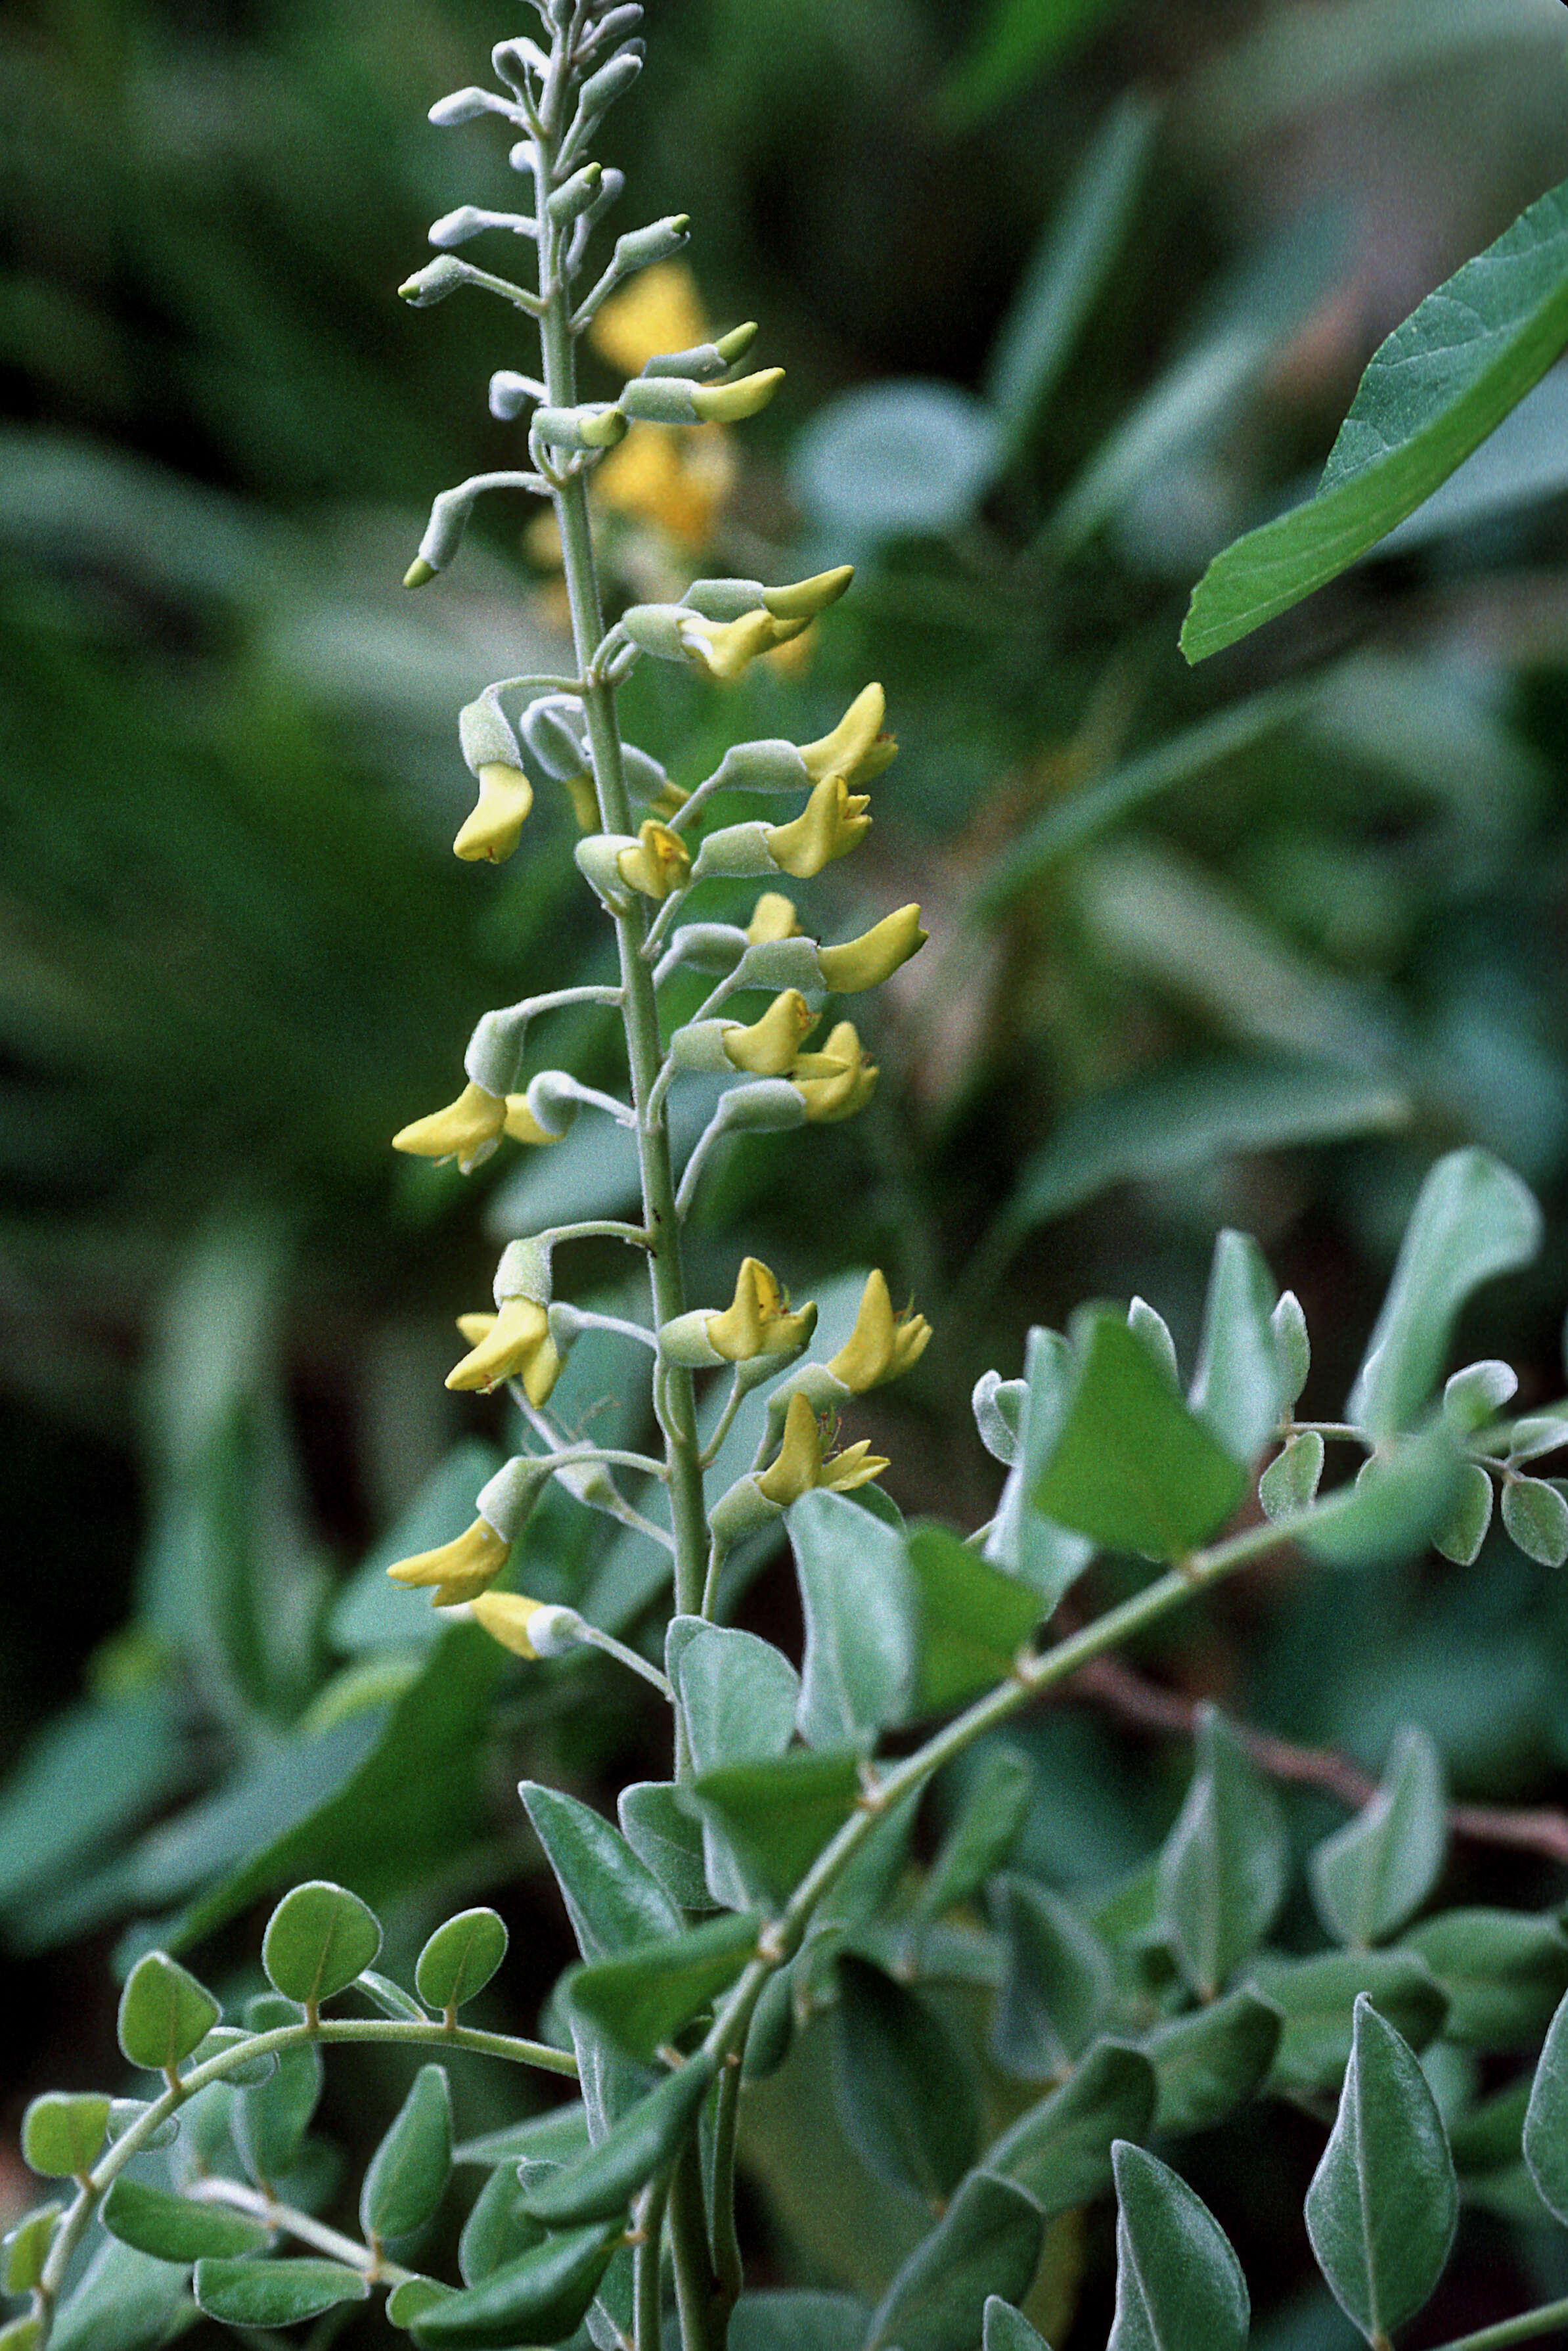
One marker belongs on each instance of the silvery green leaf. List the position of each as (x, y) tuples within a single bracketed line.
[(1291, 1481), (1536, 1518), (1477, 1393), (1462, 1538)]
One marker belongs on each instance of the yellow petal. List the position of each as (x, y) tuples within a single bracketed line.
[(769, 1048), (467, 1130), (833, 822), (875, 955), (799, 1463), (856, 1465), (660, 863), (517, 1346), (883, 1343), (659, 310), (494, 827), (459, 1570), (729, 403), (807, 598), (506, 1616), (772, 917), (521, 1124), (760, 1320), (857, 748), (837, 1082), (725, 647)]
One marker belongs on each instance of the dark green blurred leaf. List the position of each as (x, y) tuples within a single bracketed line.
[(995, 1802), (1223, 1866), (1212, 2060), (1545, 2139), (269, 2120), (1179, 2286), (1056, 1983), (861, 1649), (641, 1997), (1131, 1466), (1007, 2329), (972, 1620), (1317, 1998), (497, 2228), (406, 2176), (1372, 1874), (1018, 37), (797, 2322), (906, 2096), (1061, 2149), (97, 1770), (274, 2294), (1383, 2202), (986, 2242), (1503, 1972), (1432, 392), (126, 2301), (173, 2228)]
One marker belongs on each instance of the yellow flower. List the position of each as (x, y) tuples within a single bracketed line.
[(506, 1616), (494, 825), (883, 1343), (769, 1046), (875, 955), (516, 1345), (857, 748), (522, 1126), (660, 863), (772, 917), (457, 1571), (801, 1463), (467, 1130), (833, 822), (725, 647), (678, 481), (759, 1322), (731, 403), (658, 310), (837, 1082)]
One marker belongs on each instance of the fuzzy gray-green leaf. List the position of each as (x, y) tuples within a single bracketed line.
[(1374, 1873), (1179, 2286), (408, 2173), (1222, 1869)]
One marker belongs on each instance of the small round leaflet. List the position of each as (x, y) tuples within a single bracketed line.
[(164, 2013), (318, 1941), (460, 1959)]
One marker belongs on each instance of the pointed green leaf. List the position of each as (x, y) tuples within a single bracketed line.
[(1223, 1866), (1461, 1539), (540, 2297), (390, 1998), (1131, 1466), (972, 1619), (460, 1959), (860, 1637), (1179, 2286), (407, 2175), (173, 2229), (905, 2092), (1433, 391), (1238, 1391), (24, 2248), (797, 2322), (980, 1838), (1061, 2149), (643, 2142), (1212, 2060), (1021, 1540), (664, 1837), (739, 1694), (1396, 1505), (1056, 1984), (62, 2132), (1316, 1998), (1503, 1972), (559, 2134), (274, 2294), (1288, 1324), (1535, 1517), (986, 2242), (642, 1998), (1007, 2329), (1383, 2202), (412, 2295), (497, 2228), (317, 1941), (611, 1898), (1472, 1218), (779, 1815), (1546, 2118), (164, 2012), (270, 2119), (1372, 1874), (1290, 1481)]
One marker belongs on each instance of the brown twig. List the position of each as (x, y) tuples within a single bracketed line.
[(1108, 1683)]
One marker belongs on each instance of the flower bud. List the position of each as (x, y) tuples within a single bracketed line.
[(767, 765), (875, 955), (456, 1570), (434, 282), (549, 1106), (467, 105), (528, 1628), (597, 855), (659, 400), (639, 248), (613, 80), (484, 735), (805, 599), (764, 1106), (469, 220), (698, 1048), (553, 728), (574, 195), (735, 853), (509, 392), (593, 424), (724, 600), (657, 629), (729, 403)]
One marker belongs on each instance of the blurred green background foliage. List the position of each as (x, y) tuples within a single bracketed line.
[(1069, 293)]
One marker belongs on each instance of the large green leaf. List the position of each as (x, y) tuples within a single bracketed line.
[(406, 2178), (126, 2301), (275, 2294), (797, 2322), (642, 1996), (1432, 392), (986, 2242), (738, 1693), (1056, 1982), (611, 1898), (1223, 1866), (860, 1638), (1131, 1466), (778, 1816), (906, 2096), (1179, 2286), (540, 2297), (1472, 1218), (1007, 2329), (1503, 1971), (1383, 2202), (88, 1778), (1061, 2149), (667, 1838), (1370, 1877), (1210, 2061), (973, 1619)]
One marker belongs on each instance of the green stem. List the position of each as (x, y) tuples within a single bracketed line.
[(647, 2280), (688, 2245), (640, 1011), (1521, 2329), (331, 2242), (729, 2267)]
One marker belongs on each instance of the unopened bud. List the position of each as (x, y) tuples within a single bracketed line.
[(596, 424), (467, 105), (574, 195), (724, 600), (434, 282), (659, 400), (552, 729), (639, 248), (485, 735), (509, 393), (730, 403), (804, 599), (505, 1501)]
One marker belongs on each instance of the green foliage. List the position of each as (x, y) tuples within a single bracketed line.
[(460, 1959), (1178, 2279), (319, 1938), (406, 2178)]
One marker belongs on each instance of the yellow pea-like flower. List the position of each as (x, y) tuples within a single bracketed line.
[(455, 1570), (495, 824), (883, 1343), (730, 403), (800, 1463), (875, 955), (759, 1322), (516, 1345), (837, 1082), (660, 863), (770, 1048), (772, 917), (506, 1616), (833, 822), (857, 747), (725, 647), (467, 1130)]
